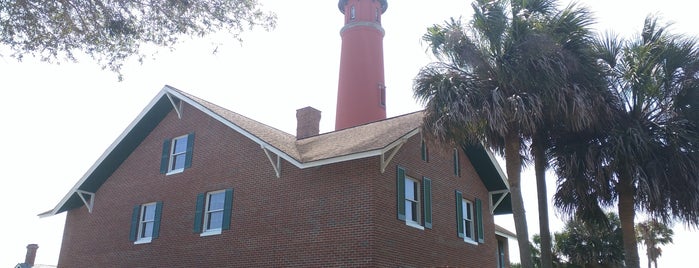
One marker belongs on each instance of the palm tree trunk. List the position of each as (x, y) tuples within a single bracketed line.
[(513, 165), (540, 172), (627, 213)]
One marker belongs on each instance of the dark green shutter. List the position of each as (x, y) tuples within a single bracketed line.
[(427, 201), (457, 167), (135, 218), (479, 220), (165, 157), (459, 215), (156, 221), (400, 189), (423, 151), (190, 148), (227, 207), (199, 213)]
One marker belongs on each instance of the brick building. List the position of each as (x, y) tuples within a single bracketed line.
[(192, 184)]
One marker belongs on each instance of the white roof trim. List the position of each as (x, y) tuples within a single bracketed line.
[(502, 174), (505, 235), (106, 153), (168, 92)]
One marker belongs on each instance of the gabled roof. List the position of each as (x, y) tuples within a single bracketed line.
[(372, 139)]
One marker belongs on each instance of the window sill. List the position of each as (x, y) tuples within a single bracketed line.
[(468, 240), (172, 172), (211, 232), (414, 225), (143, 241)]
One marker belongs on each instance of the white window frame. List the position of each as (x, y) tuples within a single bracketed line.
[(173, 155), (142, 222), (468, 222), (418, 203), (208, 212)]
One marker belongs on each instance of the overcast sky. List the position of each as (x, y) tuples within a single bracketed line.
[(58, 119)]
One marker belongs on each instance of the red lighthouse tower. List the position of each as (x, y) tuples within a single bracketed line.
[(361, 94)]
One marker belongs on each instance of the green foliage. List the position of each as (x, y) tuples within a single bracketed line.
[(591, 243), (653, 234), (111, 31)]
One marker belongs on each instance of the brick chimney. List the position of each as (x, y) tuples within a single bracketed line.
[(307, 122), (31, 254)]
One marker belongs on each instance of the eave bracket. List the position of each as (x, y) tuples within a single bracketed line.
[(88, 199), (393, 151), (176, 104), (276, 164), (495, 203)]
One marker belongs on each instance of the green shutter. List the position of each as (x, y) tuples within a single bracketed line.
[(190, 148), (427, 201), (423, 150), (199, 213), (165, 157), (135, 217), (479, 220), (400, 189), (156, 221), (227, 207), (459, 215), (457, 167)]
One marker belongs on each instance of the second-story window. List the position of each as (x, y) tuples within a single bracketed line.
[(177, 154), (353, 13)]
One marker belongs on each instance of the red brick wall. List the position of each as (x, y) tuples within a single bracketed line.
[(335, 215)]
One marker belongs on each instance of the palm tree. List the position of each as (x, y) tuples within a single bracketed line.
[(591, 244), (648, 157), (653, 234), (501, 79)]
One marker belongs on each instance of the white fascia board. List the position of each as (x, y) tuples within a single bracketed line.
[(106, 153), (238, 129), (505, 235), (502, 174), (360, 155)]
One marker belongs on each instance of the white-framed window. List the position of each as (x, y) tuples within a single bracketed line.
[(145, 222), (213, 212), (467, 220), (412, 201), (177, 154)]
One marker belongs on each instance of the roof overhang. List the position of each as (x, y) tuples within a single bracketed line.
[(493, 177)]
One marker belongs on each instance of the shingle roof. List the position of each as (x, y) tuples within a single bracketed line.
[(362, 141), (364, 138)]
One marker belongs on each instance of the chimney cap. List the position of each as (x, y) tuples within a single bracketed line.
[(342, 3)]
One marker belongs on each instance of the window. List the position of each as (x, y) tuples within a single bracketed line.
[(424, 151), (377, 15), (501, 254), (414, 200), (213, 212), (457, 164), (469, 219), (145, 222), (353, 13), (382, 95), (177, 154)]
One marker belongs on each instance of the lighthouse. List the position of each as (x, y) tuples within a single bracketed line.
[(361, 94)]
